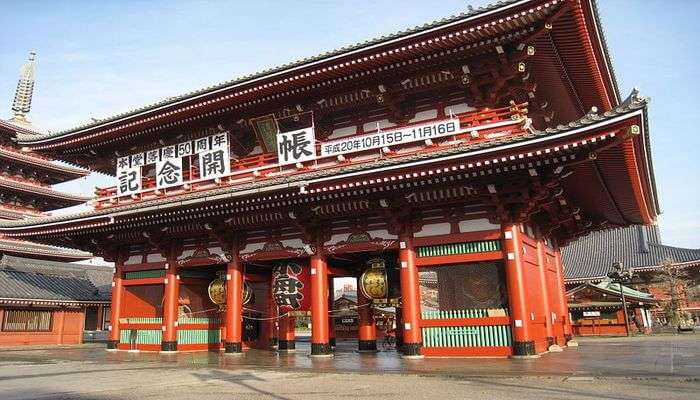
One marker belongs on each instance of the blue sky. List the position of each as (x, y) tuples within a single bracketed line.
[(100, 58)]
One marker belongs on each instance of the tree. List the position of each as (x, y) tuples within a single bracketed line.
[(675, 279)]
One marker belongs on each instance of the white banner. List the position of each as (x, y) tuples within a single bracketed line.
[(171, 152), (169, 173), (129, 181), (296, 146), (391, 137), (214, 164)]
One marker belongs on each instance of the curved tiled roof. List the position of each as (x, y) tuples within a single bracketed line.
[(591, 257), (16, 246), (41, 162), (632, 104), (24, 278), (43, 191), (471, 13)]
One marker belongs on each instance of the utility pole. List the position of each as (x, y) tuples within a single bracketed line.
[(620, 274)]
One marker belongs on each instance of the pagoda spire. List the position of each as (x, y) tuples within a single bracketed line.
[(25, 88)]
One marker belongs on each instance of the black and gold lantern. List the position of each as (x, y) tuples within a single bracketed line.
[(217, 292), (378, 281)]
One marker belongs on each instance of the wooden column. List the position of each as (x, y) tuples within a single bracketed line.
[(523, 340), (270, 323), (116, 306), (542, 269), (563, 310), (410, 297), (287, 334), (320, 341), (234, 304), (331, 318), (170, 303), (366, 328)]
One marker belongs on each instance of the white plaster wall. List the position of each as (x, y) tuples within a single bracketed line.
[(475, 225), (434, 230)]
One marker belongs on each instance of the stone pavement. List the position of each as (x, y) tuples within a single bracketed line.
[(665, 367)]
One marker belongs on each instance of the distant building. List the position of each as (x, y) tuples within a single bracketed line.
[(43, 299), (587, 262), (50, 302)]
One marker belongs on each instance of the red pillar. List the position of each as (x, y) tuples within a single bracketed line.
[(366, 328), (287, 335), (542, 269), (116, 306), (320, 341), (331, 318), (563, 310), (410, 297), (170, 305), (234, 304), (523, 340), (270, 323)]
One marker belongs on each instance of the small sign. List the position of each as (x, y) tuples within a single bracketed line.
[(169, 173), (591, 313), (214, 163), (129, 181), (296, 146), (391, 137)]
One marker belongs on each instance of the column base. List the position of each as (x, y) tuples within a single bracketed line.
[(571, 343), (524, 349), (321, 350), (233, 348), (286, 345), (272, 343), (367, 346), (411, 350), (168, 347), (555, 348), (112, 345)]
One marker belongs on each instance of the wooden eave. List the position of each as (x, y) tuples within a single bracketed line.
[(578, 55), (48, 194), (571, 145), (57, 173)]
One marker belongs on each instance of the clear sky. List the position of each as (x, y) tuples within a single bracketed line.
[(99, 58)]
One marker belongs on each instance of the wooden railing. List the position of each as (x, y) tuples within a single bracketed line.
[(264, 166)]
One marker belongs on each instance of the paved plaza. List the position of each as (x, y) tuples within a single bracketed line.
[(665, 367)]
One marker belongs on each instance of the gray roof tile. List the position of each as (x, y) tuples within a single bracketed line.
[(637, 246), (25, 278)]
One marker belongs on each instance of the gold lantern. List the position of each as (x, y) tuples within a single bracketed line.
[(374, 283), (217, 292)]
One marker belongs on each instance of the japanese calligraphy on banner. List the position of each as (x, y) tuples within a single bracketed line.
[(296, 146), (179, 150), (390, 137), (169, 173), (129, 181), (291, 285), (214, 163)]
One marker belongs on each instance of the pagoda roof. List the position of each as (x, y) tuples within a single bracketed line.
[(65, 172), (501, 148), (51, 282), (484, 25), (590, 258), (25, 248), (62, 198)]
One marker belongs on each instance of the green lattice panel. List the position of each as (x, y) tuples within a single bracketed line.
[(467, 336), (140, 336), (481, 246), (144, 320), (149, 273), (198, 320), (198, 336)]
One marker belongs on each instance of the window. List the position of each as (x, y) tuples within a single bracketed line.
[(27, 321)]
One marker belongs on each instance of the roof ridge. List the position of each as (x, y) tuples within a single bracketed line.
[(470, 13)]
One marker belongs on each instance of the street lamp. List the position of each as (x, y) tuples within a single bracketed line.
[(620, 274)]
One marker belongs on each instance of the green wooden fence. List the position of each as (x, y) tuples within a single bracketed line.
[(140, 336), (198, 336), (143, 320), (198, 320), (464, 336), (459, 248), (149, 273)]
